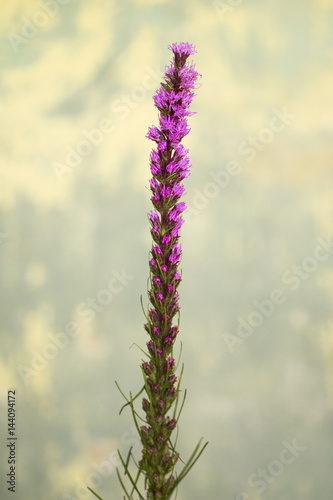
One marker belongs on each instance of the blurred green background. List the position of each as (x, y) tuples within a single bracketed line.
[(76, 86)]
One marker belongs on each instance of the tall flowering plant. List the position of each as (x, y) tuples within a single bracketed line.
[(169, 165)]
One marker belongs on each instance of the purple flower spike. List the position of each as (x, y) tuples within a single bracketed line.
[(169, 165)]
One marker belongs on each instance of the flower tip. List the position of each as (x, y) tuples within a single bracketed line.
[(183, 48)]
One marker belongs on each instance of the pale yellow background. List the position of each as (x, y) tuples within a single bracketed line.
[(75, 66)]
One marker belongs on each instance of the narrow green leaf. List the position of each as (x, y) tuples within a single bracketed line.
[(136, 480), (123, 486), (129, 456), (173, 447), (144, 352), (143, 309), (130, 476), (192, 460), (94, 493), (177, 391), (180, 354), (121, 392), (182, 405), (128, 401)]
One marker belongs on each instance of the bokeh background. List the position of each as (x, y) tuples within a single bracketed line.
[(77, 80)]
